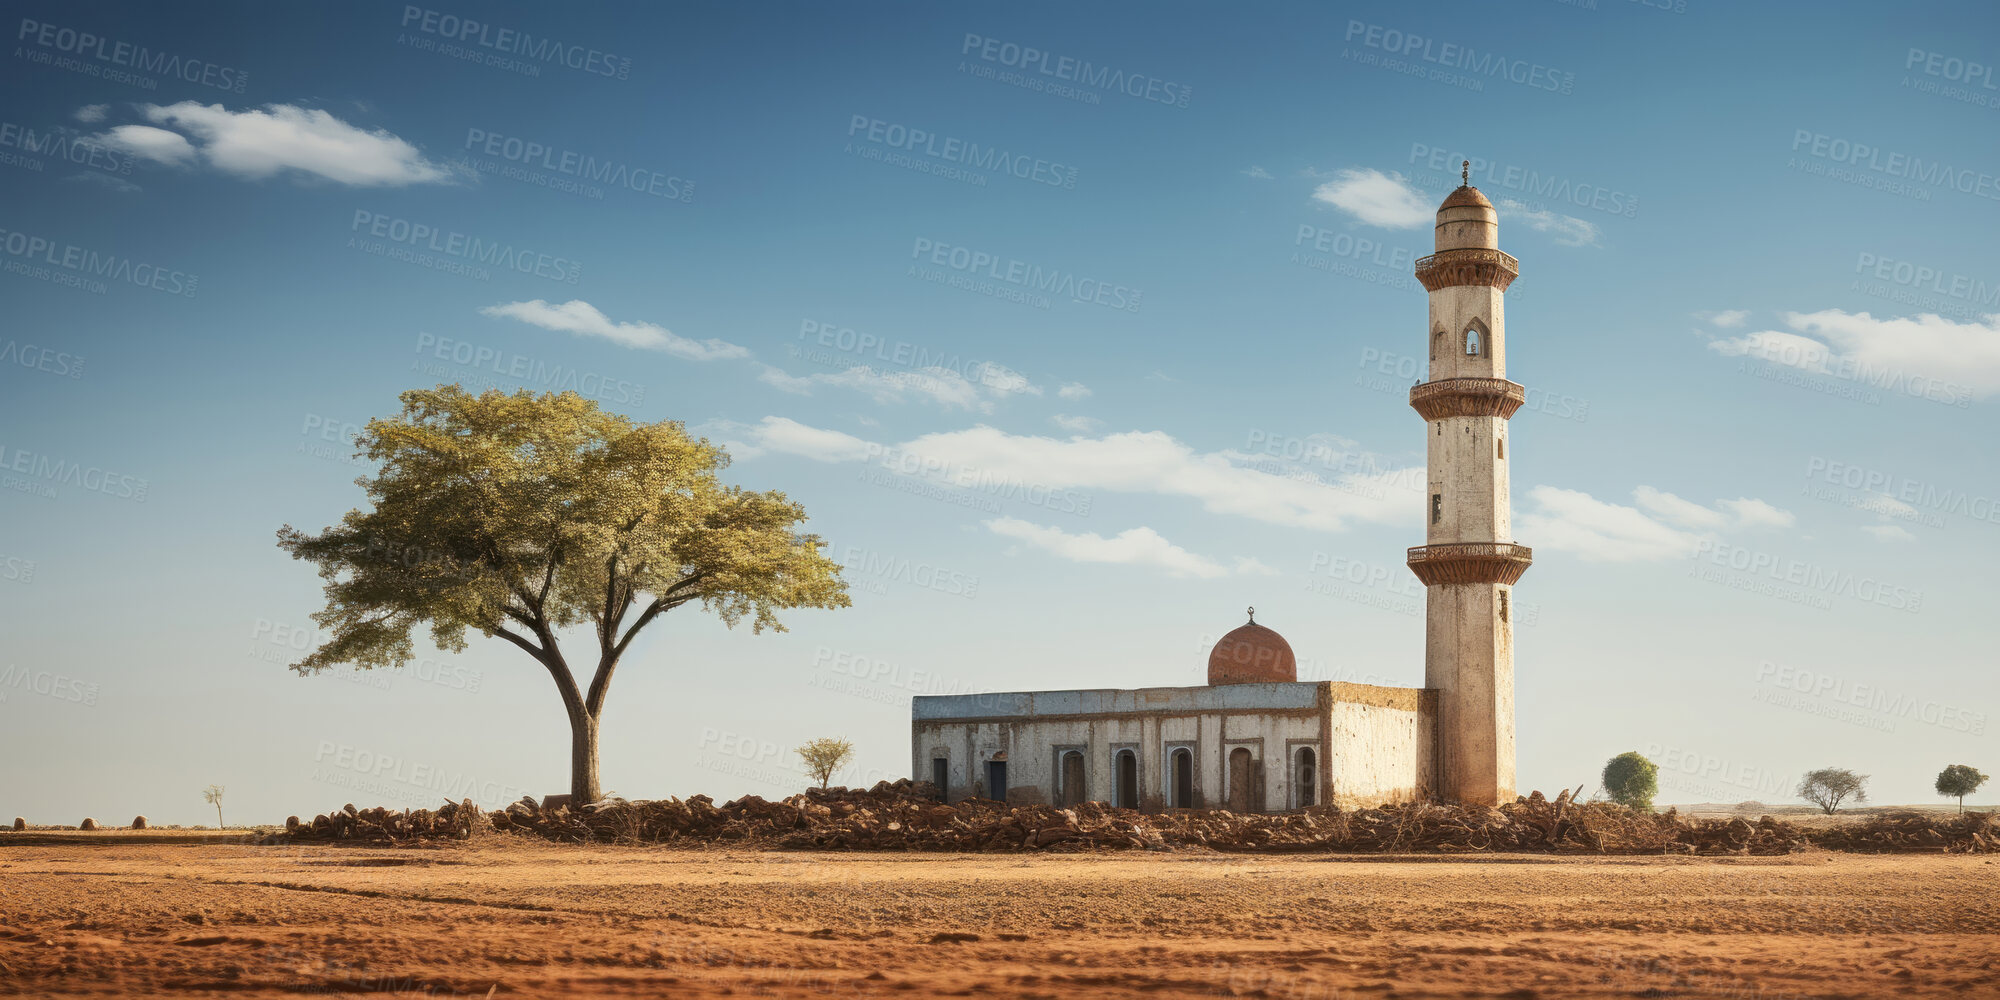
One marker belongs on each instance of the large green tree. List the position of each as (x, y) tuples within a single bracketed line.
[(522, 516)]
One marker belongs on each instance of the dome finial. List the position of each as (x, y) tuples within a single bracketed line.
[(1465, 173), (1253, 615)]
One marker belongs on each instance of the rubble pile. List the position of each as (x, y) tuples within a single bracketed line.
[(905, 816), (451, 821), (1913, 832)]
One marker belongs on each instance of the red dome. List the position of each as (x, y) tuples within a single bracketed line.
[(1252, 654)]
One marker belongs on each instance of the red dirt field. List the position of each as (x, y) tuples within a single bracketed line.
[(105, 915)]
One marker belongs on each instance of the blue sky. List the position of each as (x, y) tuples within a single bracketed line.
[(1756, 318)]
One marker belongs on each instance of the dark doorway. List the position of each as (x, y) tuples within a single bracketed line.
[(1183, 779), (1128, 780), (1308, 778), (1240, 779), (941, 776), (996, 780), (1073, 790)]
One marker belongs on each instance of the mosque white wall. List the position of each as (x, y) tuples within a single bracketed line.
[(1384, 745), (1032, 731)]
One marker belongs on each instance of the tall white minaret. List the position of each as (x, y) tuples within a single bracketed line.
[(1469, 563)]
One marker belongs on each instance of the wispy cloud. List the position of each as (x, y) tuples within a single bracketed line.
[(1131, 462), (583, 319), (1257, 172), (1567, 230), (1895, 351), (1667, 527), (257, 143), (938, 385), (944, 386), (154, 145), (1388, 201), (1132, 547)]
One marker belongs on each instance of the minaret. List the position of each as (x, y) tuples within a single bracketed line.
[(1469, 563)]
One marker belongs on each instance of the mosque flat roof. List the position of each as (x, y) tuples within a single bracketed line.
[(1276, 695)]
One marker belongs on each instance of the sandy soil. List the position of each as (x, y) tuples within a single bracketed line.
[(510, 918)]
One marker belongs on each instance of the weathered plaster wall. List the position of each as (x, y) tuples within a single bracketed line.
[(1383, 745), (1272, 721), (1469, 660), (1034, 728)]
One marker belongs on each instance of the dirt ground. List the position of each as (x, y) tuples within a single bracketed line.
[(501, 917)]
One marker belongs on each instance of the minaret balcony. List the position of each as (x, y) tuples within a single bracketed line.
[(1470, 562), (1468, 266), (1467, 397)]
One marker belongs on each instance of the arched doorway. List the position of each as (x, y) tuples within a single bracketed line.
[(1128, 780), (1306, 778), (1241, 778), (1072, 790), (1183, 763)]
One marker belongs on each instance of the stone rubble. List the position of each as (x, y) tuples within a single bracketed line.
[(906, 816)]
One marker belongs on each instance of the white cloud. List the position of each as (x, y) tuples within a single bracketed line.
[(1133, 462), (1666, 527), (1685, 513), (1377, 199), (1726, 318), (91, 114), (938, 385), (1074, 390), (1574, 521), (1074, 425), (1742, 512), (789, 437), (943, 386), (1005, 381), (583, 319), (156, 145), (262, 142), (1751, 513), (1131, 547), (1257, 172), (1567, 230), (1925, 356), (1887, 506), (1889, 532)]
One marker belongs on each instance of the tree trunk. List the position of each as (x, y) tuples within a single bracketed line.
[(583, 785)]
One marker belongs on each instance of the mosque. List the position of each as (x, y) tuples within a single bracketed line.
[(1256, 738)]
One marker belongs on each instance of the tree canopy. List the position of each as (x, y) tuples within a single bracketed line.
[(824, 756), (1959, 780), (1828, 787), (1631, 780), (521, 515)]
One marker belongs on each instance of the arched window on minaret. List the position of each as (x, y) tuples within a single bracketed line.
[(1475, 337), (1437, 344)]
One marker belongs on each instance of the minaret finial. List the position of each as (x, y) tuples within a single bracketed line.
[(1465, 173), (1253, 615)]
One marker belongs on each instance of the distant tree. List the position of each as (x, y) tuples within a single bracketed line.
[(824, 756), (213, 794), (1632, 780), (1960, 780), (1828, 787), (517, 516)]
